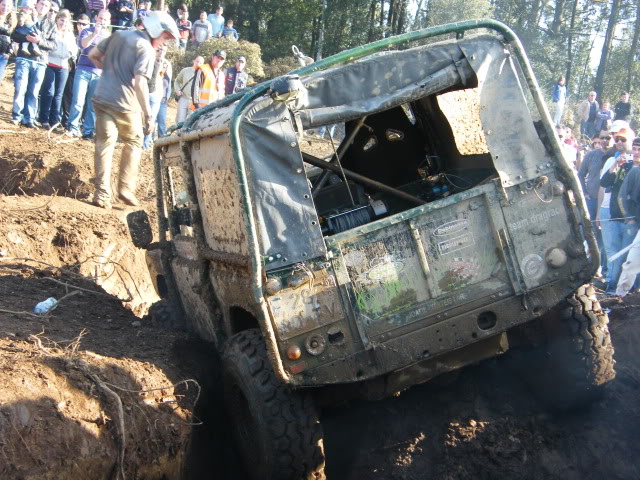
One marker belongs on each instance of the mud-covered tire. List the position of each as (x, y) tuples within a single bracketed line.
[(575, 363), (275, 428), (165, 315)]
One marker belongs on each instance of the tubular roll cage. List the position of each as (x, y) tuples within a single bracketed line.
[(184, 131)]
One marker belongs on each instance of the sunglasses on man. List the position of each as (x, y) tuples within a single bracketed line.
[(619, 139), (605, 138)]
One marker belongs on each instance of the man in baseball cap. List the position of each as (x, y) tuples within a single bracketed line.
[(616, 233), (121, 102), (208, 86), (236, 78)]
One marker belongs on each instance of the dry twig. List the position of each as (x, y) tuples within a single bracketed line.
[(34, 208)]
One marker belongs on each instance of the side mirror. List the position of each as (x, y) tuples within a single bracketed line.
[(140, 228)]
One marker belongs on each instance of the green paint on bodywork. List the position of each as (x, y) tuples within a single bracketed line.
[(385, 298)]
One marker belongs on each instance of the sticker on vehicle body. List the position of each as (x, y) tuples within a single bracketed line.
[(533, 266), (456, 243), (451, 228), (385, 270)]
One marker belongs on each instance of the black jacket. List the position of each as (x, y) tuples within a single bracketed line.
[(5, 38), (629, 195), (622, 110), (612, 182)]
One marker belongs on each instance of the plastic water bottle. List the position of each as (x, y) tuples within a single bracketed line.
[(45, 306)]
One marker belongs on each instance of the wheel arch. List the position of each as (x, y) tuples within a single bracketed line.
[(241, 319)]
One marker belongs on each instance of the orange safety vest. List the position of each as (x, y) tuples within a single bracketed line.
[(211, 86)]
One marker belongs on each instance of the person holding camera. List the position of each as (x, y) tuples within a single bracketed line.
[(616, 232)]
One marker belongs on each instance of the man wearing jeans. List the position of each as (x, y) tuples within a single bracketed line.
[(587, 110), (121, 102), (86, 78), (630, 198), (611, 215), (30, 68)]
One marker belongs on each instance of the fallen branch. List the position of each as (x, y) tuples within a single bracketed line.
[(34, 208), (4, 130), (68, 285), (22, 312), (36, 339), (24, 443)]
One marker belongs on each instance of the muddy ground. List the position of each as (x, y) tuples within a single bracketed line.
[(96, 386)]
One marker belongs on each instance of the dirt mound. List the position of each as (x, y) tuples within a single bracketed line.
[(81, 238), (88, 389), (39, 173)]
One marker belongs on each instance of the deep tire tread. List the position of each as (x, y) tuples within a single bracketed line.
[(291, 430), (581, 355)]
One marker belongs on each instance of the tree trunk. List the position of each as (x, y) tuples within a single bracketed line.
[(323, 21), (532, 23), (557, 17), (634, 47), (372, 20), (606, 48), (402, 14), (382, 15), (572, 25), (416, 20), (315, 31), (390, 15)]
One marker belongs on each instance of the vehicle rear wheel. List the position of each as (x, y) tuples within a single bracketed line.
[(574, 361), (276, 429)]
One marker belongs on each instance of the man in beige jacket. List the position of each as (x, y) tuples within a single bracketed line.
[(586, 112), (182, 86)]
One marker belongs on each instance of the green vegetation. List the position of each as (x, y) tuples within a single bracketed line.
[(592, 42)]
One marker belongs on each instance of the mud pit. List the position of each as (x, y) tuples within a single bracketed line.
[(58, 421)]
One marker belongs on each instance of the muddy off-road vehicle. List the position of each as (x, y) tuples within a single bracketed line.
[(384, 217)]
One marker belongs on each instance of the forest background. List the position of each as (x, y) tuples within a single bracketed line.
[(592, 43)]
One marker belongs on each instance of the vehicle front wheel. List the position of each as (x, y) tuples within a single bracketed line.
[(276, 429)]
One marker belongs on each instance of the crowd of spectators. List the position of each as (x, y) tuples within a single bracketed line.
[(606, 156), (55, 80), (608, 174)]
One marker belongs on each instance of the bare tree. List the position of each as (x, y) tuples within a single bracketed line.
[(372, 20), (634, 47), (323, 21), (557, 17), (572, 26), (606, 47)]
